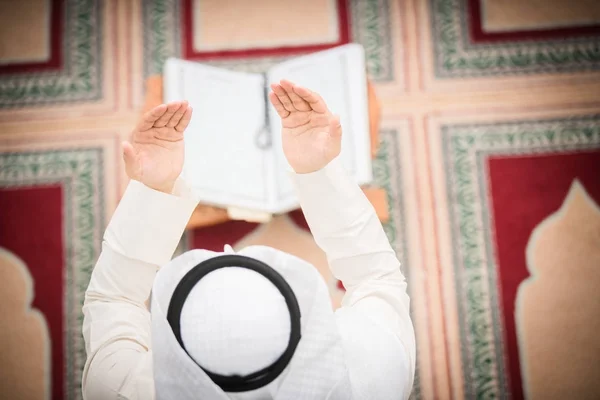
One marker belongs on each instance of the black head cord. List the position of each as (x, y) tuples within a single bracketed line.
[(266, 375)]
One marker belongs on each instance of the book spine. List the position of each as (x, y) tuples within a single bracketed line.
[(263, 138)]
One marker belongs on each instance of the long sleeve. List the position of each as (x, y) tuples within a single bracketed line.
[(374, 321), (141, 236)]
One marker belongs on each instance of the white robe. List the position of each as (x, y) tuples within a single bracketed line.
[(365, 350)]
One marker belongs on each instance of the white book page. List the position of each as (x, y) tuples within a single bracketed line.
[(339, 76), (223, 164)]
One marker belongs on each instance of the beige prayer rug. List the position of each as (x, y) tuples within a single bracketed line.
[(489, 157)]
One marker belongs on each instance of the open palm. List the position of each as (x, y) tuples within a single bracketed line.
[(154, 153), (311, 135)]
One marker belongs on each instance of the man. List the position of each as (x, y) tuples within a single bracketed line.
[(257, 324)]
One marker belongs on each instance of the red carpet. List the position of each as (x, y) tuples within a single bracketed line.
[(31, 226), (489, 158), (525, 190)]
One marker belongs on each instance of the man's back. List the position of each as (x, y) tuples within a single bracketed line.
[(367, 349)]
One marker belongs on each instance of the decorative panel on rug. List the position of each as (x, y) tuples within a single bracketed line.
[(502, 39), (252, 36), (394, 172), (517, 227), (61, 58), (55, 198)]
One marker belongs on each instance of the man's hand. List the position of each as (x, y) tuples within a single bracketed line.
[(311, 135), (154, 153)]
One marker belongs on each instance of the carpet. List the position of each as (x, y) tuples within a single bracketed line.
[(489, 158), (50, 227)]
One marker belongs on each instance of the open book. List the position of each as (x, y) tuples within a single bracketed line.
[(233, 152)]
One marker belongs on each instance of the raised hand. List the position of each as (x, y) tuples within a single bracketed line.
[(154, 153), (311, 135)]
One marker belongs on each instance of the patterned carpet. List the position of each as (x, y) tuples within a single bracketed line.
[(489, 155)]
